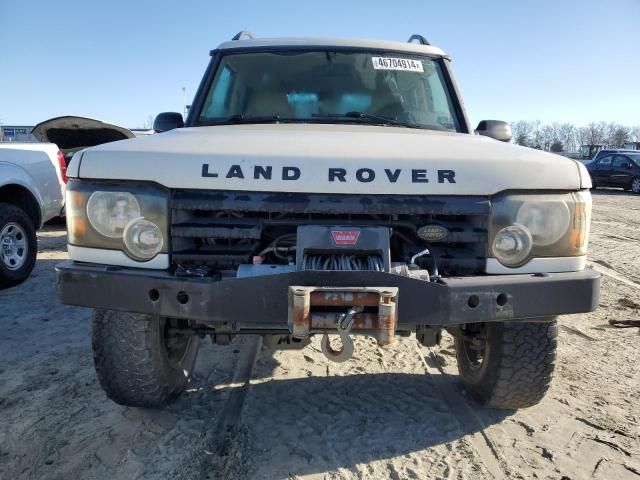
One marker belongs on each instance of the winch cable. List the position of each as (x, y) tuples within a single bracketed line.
[(338, 262)]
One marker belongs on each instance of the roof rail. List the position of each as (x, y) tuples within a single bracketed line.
[(243, 33), (420, 38)]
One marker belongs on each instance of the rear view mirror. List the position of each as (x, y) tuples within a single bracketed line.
[(166, 121), (495, 129)]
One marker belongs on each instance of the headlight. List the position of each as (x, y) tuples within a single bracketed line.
[(512, 245), (143, 238), (127, 216), (110, 212), (547, 221), (556, 224)]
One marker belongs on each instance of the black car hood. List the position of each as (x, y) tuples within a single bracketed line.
[(71, 132)]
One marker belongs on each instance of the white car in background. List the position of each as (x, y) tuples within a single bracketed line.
[(32, 185)]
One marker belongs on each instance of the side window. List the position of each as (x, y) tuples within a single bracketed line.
[(605, 161), (620, 162)]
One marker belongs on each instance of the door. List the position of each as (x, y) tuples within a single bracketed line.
[(601, 171), (621, 173)]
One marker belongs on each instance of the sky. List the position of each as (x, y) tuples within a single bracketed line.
[(124, 61)]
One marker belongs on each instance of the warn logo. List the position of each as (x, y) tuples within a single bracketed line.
[(345, 237)]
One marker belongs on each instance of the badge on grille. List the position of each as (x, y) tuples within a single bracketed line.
[(433, 232), (345, 237)]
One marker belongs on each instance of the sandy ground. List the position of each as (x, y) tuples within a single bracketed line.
[(395, 413)]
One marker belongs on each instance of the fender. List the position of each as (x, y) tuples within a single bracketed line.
[(11, 174)]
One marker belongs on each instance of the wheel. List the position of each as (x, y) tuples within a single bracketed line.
[(18, 245), (635, 185), (507, 365), (139, 362)]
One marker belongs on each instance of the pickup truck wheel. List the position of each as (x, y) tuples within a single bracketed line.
[(507, 365), (139, 359), (18, 245)]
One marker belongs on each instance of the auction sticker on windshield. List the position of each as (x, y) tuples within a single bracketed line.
[(388, 63)]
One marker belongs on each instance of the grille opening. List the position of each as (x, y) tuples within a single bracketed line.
[(221, 230)]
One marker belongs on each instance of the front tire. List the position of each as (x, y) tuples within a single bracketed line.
[(139, 362), (18, 245), (635, 185), (507, 365)]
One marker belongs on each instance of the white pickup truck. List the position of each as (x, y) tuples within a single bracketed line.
[(32, 183)]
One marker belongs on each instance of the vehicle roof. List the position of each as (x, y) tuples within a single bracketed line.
[(619, 150), (323, 42)]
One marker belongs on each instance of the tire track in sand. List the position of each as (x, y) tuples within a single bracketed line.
[(227, 428), (609, 272), (470, 423)]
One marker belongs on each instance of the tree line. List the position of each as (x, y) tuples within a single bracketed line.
[(566, 137)]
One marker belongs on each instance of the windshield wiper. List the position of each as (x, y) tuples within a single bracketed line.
[(240, 118), (371, 116)]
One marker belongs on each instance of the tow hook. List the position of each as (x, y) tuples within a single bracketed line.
[(369, 311), (343, 324)]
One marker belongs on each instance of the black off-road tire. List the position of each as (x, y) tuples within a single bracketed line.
[(134, 364), (10, 214), (516, 364)]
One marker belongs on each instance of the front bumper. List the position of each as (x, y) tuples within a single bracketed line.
[(262, 302)]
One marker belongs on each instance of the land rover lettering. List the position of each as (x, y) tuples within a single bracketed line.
[(334, 174)]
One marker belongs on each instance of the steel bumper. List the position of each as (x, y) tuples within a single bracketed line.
[(262, 302)]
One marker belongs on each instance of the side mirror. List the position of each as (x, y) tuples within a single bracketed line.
[(166, 121), (495, 129)]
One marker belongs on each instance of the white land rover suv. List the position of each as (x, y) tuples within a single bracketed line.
[(326, 186)]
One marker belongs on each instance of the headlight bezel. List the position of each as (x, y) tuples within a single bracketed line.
[(571, 243), (153, 201)]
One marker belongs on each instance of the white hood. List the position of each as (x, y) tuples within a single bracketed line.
[(377, 160), (71, 132)]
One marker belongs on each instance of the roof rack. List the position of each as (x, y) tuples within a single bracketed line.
[(420, 38), (242, 33)]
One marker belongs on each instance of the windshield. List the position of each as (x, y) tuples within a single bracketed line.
[(330, 87)]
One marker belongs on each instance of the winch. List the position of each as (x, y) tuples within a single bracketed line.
[(340, 248)]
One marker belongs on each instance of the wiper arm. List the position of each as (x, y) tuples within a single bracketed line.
[(386, 120), (241, 118), (371, 116)]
